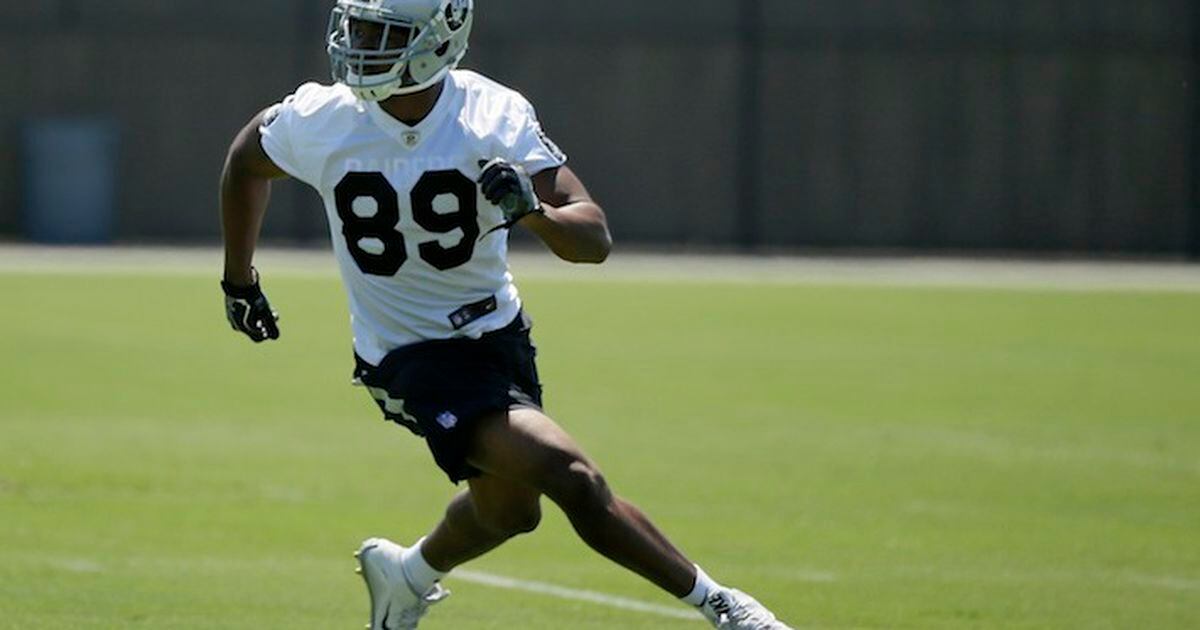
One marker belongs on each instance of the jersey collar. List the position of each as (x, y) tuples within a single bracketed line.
[(412, 137)]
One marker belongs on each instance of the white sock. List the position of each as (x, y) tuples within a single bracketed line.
[(421, 576), (704, 586)]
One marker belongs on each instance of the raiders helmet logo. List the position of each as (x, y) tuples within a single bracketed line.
[(456, 13)]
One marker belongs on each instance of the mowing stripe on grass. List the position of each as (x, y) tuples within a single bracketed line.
[(899, 271), (560, 592)]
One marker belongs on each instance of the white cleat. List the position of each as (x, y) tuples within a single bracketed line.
[(734, 610), (394, 604)]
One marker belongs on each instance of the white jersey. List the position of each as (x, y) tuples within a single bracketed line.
[(405, 213)]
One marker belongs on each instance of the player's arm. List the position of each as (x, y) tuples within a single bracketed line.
[(245, 192), (572, 225), (553, 204)]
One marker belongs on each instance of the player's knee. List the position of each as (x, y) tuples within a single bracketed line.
[(580, 487), (512, 521), (523, 521)]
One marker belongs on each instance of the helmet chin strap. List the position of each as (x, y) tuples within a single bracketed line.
[(395, 87), (375, 91)]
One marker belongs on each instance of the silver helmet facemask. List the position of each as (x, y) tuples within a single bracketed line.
[(378, 53)]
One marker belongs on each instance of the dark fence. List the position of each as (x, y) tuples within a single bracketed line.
[(1038, 125)]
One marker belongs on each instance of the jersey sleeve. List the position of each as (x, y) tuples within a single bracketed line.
[(531, 147), (280, 132)]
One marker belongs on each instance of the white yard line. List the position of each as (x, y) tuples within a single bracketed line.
[(638, 267), (572, 594), (84, 565)]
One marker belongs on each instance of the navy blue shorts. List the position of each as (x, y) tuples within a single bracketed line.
[(440, 389)]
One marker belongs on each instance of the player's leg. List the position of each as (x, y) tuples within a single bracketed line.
[(523, 454), (526, 447), (403, 582), (481, 518)]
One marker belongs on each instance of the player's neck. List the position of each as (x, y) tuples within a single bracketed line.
[(411, 109)]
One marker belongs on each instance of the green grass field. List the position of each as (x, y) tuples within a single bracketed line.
[(855, 456)]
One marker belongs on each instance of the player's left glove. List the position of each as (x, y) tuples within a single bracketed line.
[(511, 188), (249, 312)]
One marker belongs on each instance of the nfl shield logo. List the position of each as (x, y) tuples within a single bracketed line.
[(447, 420), (411, 138)]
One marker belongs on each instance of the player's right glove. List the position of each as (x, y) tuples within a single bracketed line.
[(249, 312)]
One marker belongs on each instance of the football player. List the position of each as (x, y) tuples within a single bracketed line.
[(423, 168)]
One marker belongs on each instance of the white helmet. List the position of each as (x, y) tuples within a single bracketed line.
[(382, 48)]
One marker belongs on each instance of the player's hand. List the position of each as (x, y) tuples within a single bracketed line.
[(249, 312), (511, 188)]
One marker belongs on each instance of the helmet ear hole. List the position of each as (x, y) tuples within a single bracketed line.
[(441, 52)]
